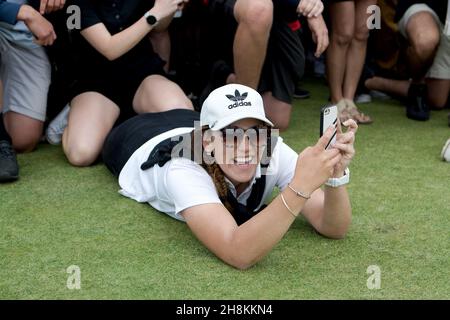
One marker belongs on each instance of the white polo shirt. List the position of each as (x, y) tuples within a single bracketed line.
[(182, 183)]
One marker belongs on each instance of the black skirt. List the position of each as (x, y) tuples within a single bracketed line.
[(129, 136)]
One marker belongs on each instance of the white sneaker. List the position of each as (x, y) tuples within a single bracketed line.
[(445, 153), (56, 128), (363, 98), (375, 94)]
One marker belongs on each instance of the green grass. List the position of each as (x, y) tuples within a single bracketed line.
[(56, 216)]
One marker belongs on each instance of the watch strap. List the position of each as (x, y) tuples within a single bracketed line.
[(337, 182)]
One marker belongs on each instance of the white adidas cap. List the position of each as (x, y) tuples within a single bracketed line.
[(231, 103)]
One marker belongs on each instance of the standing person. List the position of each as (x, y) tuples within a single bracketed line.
[(25, 78), (220, 189), (346, 54), (119, 73)]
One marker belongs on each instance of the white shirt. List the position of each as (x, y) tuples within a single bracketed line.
[(182, 183)]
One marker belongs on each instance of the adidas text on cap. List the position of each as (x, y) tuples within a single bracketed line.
[(231, 103)]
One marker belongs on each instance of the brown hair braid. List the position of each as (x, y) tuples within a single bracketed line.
[(218, 178), (216, 175)]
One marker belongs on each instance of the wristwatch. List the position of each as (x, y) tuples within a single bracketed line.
[(337, 182), (151, 19)]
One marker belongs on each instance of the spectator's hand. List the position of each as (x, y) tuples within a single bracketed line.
[(48, 6), (182, 4), (310, 8), (166, 8), (315, 165), (345, 144), (319, 33), (37, 24)]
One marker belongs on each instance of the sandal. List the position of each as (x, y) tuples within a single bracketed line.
[(343, 111), (355, 114)]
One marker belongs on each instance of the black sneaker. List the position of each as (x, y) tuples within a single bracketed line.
[(416, 106), (9, 169), (218, 77), (300, 93)]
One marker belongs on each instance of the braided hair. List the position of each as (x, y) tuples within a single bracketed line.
[(217, 175)]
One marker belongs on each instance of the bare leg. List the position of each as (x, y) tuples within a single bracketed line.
[(91, 117), (342, 16), (389, 86), (157, 94), (254, 19), (438, 92), (161, 45), (423, 36), (277, 111), (357, 51), (25, 132)]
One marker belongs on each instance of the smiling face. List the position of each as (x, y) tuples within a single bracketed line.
[(238, 149)]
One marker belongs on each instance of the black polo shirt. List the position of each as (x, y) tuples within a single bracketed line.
[(116, 15)]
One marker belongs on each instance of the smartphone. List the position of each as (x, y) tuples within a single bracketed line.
[(328, 117)]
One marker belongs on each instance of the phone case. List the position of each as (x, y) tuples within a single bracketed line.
[(328, 117)]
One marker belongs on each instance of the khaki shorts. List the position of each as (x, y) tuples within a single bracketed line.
[(25, 75), (441, 64)]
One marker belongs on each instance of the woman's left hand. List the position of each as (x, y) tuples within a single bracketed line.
[(345, 143), (49, 6)]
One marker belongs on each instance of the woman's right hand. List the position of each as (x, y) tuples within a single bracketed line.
[(40, 27), (310, 8), (315, 165), (166, 8)]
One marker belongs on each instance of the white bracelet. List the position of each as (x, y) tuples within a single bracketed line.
[(337, 182)]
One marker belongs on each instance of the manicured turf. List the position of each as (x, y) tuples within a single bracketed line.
[(57, 216)]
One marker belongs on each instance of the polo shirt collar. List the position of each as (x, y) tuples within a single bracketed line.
[(246, 193)]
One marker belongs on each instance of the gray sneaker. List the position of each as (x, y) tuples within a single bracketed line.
[(56, 128)]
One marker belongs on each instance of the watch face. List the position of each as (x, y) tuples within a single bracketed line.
[(151, 20)]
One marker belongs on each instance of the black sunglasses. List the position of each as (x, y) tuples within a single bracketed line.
[(255, 134)]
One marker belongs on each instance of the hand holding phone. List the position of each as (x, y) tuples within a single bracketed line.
[(329, 117)]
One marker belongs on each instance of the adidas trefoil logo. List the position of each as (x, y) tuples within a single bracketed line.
[(238, 98)]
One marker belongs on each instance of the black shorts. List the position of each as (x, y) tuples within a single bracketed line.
[(125, 139), (285, 60), (119, 80), (222, 7)]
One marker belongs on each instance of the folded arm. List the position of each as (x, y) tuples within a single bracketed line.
[(114, 46)]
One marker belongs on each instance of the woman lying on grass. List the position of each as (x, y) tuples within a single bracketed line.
[(218, 175)]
